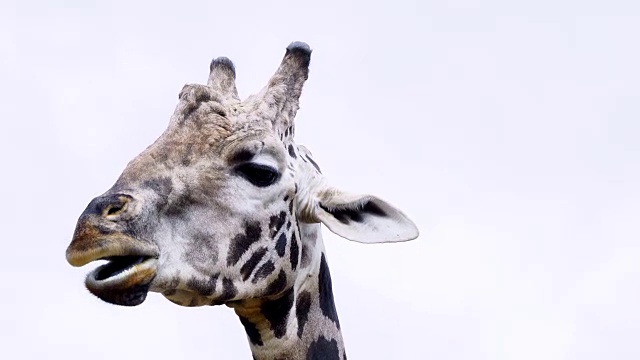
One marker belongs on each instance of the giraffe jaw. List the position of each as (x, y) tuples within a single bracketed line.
[(124, 280)]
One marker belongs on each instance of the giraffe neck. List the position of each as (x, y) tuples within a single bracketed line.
[(303, 322)]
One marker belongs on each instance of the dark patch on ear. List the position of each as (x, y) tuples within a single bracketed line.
[(241, 242), (276, 222), (342, 215), (279, 284), (294, 251), (371, 208), (228, 290), (277, 312), (251, 264), (292, 152), (281, 244), (303, 305), (323, 349), (265, 270), (354, 213), (314, 164), (252, 331), (327, 305), (203, 287), (242, 156)]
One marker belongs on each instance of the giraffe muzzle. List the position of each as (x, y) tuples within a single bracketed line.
[(102, 234), (129, 269)]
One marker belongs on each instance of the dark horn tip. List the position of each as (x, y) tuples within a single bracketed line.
[(224, 62), (299, 46)]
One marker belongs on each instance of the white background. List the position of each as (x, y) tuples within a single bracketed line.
[(508, 132)]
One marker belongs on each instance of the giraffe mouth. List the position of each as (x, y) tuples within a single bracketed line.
[(116, 266), (130, 263), (123, 280)]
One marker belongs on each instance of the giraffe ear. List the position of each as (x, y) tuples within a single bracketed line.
[(364, 218)]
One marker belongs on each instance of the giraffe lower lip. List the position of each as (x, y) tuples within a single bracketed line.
[(124, 280)]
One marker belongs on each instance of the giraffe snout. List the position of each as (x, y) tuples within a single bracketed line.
[(104, 230)]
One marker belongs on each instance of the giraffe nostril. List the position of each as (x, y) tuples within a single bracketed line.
[(116, 206), (114, 209)]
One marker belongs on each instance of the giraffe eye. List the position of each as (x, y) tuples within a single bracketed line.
[(258, 174)]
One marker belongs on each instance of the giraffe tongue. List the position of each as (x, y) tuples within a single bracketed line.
[(118, 264)]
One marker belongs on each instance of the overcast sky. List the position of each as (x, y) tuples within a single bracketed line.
[(509, 133)]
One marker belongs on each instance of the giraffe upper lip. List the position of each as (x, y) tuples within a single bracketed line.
[(82, 251), (95, 239)]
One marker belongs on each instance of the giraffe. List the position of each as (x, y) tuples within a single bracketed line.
[(224, 208)]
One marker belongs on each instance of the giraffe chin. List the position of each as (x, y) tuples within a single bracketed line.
[(123, 280)]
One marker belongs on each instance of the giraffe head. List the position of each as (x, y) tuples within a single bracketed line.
[(219, 207)]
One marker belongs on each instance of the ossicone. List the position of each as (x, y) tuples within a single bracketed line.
[(222, 78)]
